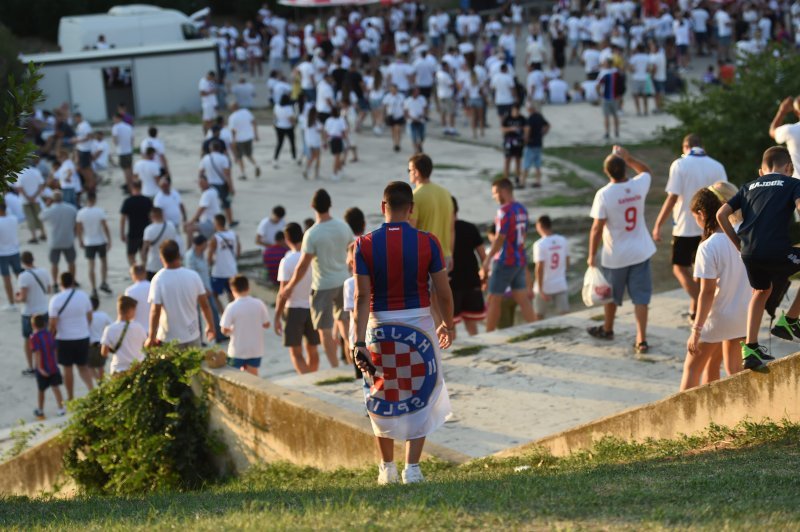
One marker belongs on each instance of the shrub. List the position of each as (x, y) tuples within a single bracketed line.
[(734, 121), (143, 430)]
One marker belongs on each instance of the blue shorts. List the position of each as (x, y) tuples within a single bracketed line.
[(417, 131), (10, 263), (220, 285), (637, 279), (239, 363), (532, 157), (502, 277)]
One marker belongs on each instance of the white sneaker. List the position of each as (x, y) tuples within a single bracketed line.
[(10, 307), (61, 412), (387, 473), (412, 474), (335, 177)]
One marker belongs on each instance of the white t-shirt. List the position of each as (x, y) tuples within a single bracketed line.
[(553, 251), (393, 103), (246, 316), (101, 148), (241, 125), (590, 90), (140, 290), (214, 165), (155, 234), (302, 291), (335, 127), (313, 136), (170, 205), (156, 144), (130, 350), (640, 63), (14, 206), (306, 70), (789, 134), (591, 60), (324, 96), (558, 90), (148, 171), (400, 74), (91, 219), (84, 131), (503, 85), (687, 175), (67, 176), (723, 21), (415, 107), (699, 19), (209, 199), (73, 323), (283, 116), (444, 85), (658, 60), (177, 290), (224, 266), (100, 321), (267, 229), (123, 133), (9, 241), (536, 83), (425, 69), (36, 299), (208, 86), (29, 180), (717, 258), (626, 240)]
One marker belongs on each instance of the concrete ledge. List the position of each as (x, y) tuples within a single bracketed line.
[(35, 471), (772, 394), (264, 422)]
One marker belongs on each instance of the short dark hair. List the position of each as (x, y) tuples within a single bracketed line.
[(422, 163), (126, 303), (503, 184), (240, 283), (293, 233), (169, 251), (91, 195), (199, 240), (455, 204), (308, 223), (545, 221), (152, 131), (279, 236), (67, 279), (136, 184), (614, 165), (321, 202), (157, 211), (39, 321), (150, 151), (775, 157), (279, 211), (398, 194), (26, 257), (693, 140), (355, 219), (220, 219)]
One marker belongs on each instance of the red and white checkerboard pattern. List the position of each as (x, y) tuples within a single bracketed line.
[(401, 371)]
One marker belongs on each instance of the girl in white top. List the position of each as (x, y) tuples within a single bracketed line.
[(254, 52), (313, 140), (285, 119), (721, 319), (374, 82)]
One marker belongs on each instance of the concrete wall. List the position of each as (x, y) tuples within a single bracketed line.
[(35, 471), (773, 394), (263, 422)]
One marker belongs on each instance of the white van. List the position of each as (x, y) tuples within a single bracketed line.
[(128, 25)]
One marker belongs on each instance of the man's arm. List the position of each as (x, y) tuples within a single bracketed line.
[(205, 308), (637, 165), (255, 130), (280, 304), (79, 232), (183, 212), (361, 308), (444, 299), (53, 325), (595, 235), (784, 109), (299, 273), (22, 295), (122, 219), (155, 315), (108, 235), (666, 210), (497, 245), (539, 274), (212, 249)]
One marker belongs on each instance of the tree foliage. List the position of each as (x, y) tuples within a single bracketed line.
[(20, 95), (734, 121), (143, 430)]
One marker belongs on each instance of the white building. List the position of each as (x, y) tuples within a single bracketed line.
[(151, 80)]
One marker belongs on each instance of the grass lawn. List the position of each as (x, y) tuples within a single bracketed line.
[(744, 478)]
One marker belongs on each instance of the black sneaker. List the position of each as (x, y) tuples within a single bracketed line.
[(234, 223), (786, 329), (28, 372), (752, 358), (105, 288), (599, 332)]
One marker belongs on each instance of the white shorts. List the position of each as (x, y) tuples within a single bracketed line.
[(209, 112), (560, 301)]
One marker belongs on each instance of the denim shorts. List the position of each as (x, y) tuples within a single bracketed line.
[(239, 363), (637, 279), (532, 157), (417, 131), (502, 277), (10, 263)]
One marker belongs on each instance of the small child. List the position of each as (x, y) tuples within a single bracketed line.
[(43, 347), (243, 320), (100, 320), (124, 338), (272, 257), (551, 257), (349, 292), (139, 291)]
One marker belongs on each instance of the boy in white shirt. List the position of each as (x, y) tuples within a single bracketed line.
[(124, 338), (100, 320), (551, 258), (139, 290), (95, 238), (243, 320), (293, 315)]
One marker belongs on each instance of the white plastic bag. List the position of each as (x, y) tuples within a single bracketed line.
[(596, 290)]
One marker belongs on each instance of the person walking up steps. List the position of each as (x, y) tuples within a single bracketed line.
[(223, 250), (244, 131), (33, 288), (95, 239)]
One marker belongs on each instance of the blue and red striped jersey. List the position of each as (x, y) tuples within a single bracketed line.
[(512, 222), (399, 260), (611, 84), (44, 343)]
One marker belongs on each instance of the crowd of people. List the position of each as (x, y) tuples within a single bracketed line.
[(387, 300)]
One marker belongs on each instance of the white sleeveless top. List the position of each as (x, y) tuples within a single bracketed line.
[(225, 256)]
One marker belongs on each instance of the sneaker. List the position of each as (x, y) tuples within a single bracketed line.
[(61, 412), (39, 415), (752, 358), (234, 223), (94, 293), (787, 330), (412, 474), (396, 148), (599, 332), (29, 372), (242, 177), (105, 288), (10, 307), (258, 171), (387, 473), (764, 353)]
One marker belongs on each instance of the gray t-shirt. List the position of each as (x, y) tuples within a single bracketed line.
[(243, 93), (60, 219), (328, 241)]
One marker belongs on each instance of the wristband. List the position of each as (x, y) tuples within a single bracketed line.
[(697, 327), (360, 344)]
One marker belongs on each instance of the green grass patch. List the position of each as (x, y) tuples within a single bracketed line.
[(571, 179), (560, 200), (655, 485), (598, 317), (334, 380), (538, 333), (467, 351), (449, 166)]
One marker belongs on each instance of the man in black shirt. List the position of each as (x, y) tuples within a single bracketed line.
[(465, 279), (767, 206), (136, 212), (536, 127)]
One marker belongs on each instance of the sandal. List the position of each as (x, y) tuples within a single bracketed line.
[(599, 332), (641, 348)]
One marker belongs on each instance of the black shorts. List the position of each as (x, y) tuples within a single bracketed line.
[(94, 251), (513, 152), (426, 92), (764, 274), (468, 304), (392, 121), (73, 352), (44, 383), (84, 159), (322, 117), (337, 145), (69, 254), (684, 250), (134, 245), (297, 325), (126, 161)]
